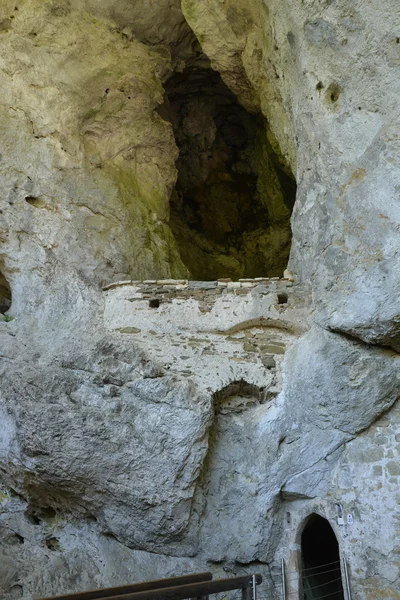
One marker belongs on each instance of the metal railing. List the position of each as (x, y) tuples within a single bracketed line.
[(333, 575), (199, 586)]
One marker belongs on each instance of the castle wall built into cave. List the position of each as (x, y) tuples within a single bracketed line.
[(199, 282)]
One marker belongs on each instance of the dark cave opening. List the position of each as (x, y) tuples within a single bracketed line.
[(5, 294), (230, 210), (321, 561)]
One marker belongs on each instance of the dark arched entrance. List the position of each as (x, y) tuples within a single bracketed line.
[(321, 574)]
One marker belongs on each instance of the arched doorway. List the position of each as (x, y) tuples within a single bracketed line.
[(321, 573)]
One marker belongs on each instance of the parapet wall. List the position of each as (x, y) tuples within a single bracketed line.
[(222, 305), (214, 332)]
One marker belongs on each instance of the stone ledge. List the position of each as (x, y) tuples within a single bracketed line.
[(185, 284)]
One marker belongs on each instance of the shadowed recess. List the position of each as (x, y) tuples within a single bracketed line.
[(5, 294), (230, 210), (321, 561)]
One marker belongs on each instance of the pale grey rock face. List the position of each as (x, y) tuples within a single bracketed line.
[(106, 436), (343, 384), (43, 554), (333, 388), (102, 431), (346, 217)]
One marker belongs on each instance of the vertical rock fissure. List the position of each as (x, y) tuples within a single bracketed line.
[(5, 294)]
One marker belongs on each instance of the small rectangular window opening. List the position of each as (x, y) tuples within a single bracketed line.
[(282, 298)]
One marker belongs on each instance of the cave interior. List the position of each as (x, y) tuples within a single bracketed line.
[(231, 206)]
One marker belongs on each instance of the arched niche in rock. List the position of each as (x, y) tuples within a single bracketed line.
[(237, 397), (320, 561)]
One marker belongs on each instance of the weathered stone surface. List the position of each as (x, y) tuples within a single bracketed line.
[(44, 554), (150, 436), (320, 80), (334, 389), (82, 103), (342, 384), (290, 447), (104, 432), (204, 429)]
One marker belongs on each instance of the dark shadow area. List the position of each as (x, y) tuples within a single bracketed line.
[(237, 397), (230, 210), (321, 561), (5, 294)]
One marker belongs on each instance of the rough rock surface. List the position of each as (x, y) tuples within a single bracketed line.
[(105, 432), (136, 440), (326, 75)]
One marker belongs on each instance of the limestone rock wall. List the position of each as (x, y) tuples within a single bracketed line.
[(81, 96), (326, 77), (165, 426)]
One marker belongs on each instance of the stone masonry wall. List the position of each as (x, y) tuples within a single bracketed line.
[(215, 331)]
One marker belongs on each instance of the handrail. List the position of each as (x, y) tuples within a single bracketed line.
[(194, 590), (135, 588)]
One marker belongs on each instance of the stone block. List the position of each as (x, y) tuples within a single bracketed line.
[(268, 362), (393, 468)]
